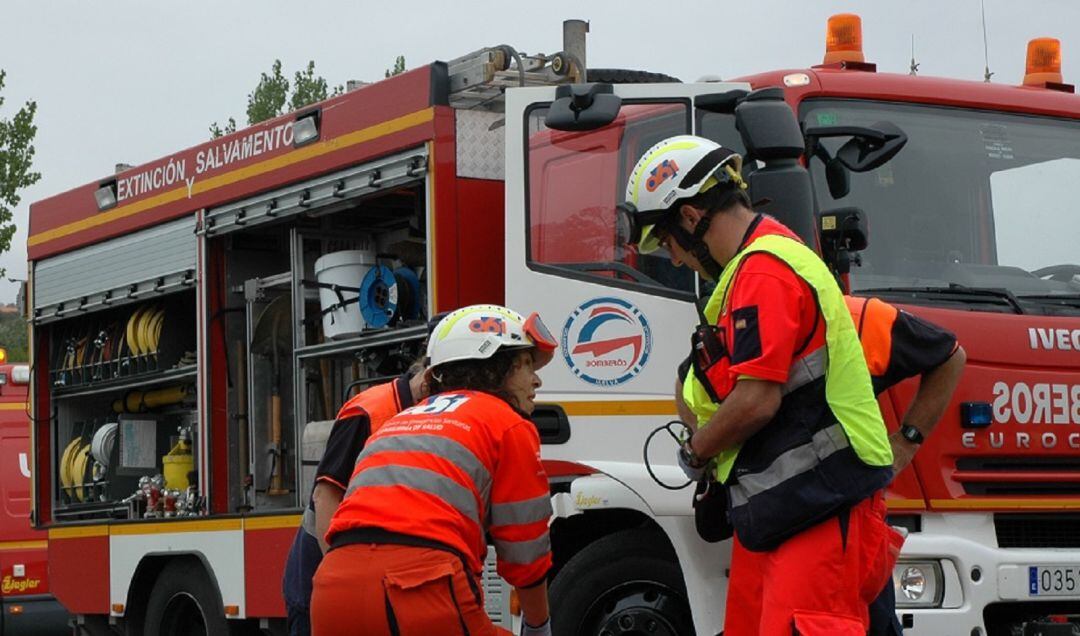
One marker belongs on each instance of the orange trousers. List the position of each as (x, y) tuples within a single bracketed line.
[(817, 583), (393, 590)]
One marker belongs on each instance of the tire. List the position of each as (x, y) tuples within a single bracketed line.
[(626, 76), (622, 584), (185, 601)]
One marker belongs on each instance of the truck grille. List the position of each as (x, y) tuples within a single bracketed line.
[(1053, 530), (996, 476)]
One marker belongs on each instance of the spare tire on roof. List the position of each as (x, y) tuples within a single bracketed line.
[(627, 76)]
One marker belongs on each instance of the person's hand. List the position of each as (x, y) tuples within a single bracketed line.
[(903, 451), (691, 465), (542, 630)]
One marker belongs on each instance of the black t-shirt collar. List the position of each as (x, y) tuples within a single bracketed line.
[(404, 391), (750, 231)]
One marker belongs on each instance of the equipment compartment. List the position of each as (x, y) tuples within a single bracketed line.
[(321, 301)]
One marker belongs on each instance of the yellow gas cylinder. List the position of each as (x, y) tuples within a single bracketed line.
[(177, 463)]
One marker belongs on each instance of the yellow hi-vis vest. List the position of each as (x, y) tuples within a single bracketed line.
[(848, 389)]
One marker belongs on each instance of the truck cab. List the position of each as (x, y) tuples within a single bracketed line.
[(969, 226), (25, 601)]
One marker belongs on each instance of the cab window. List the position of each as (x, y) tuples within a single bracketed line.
[(575, 180)]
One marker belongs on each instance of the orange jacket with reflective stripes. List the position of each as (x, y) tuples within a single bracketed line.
[(450, 469), (380, 402)]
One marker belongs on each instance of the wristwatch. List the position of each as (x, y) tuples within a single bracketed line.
[(691, 458), (911, 434)]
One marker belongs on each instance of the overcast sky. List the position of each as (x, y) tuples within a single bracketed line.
[(133, 81)]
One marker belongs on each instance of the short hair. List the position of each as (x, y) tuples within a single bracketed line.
[(718, 199)]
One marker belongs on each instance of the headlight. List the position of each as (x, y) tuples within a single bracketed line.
[(918, 584)]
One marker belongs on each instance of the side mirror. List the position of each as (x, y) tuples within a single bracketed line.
[(869, 147), (843, 233), (863, 154), (722, 103), (580, 107), (844, 228), (838, 178)]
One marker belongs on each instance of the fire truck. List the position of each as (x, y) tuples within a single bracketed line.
[(197, 320), (25, 601)]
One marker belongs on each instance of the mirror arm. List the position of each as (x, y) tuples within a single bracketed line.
[(867, 134)]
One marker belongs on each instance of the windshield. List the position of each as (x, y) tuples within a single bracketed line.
[(975, 200), (575, 180)]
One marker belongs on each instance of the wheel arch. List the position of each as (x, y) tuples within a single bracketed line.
[(146, 576)]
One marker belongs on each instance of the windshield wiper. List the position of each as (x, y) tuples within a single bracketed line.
[(1066, 299), (955, 292)]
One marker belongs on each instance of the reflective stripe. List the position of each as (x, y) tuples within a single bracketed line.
[(807, 369), (521, 512), (454, 494), (523, 552), (790, 464), (308, 522), (443, 447)]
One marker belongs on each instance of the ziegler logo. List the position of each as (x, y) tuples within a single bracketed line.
[(606, 341), (10, 585)]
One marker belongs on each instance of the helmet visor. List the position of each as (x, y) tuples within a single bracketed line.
[(540, 335), (633, 226)]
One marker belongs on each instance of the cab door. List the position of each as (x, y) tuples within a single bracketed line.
[(623, 318)]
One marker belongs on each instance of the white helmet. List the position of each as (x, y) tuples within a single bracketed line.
[(477, 332), (677, 168)]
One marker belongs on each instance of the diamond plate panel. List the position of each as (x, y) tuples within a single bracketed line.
[(480, 151)]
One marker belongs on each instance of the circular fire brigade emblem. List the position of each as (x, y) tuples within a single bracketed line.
[(606, 341)]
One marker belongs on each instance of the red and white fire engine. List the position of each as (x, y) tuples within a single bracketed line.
[(199, 318), (26, 605)]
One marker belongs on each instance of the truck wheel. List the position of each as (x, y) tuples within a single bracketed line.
[(185, 602), (621, 585)]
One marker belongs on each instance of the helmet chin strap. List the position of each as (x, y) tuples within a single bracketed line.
[(694, 244)]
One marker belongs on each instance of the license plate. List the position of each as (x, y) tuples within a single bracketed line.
[(1053, 580)]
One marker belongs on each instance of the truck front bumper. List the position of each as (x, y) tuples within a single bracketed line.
[(981, 589)]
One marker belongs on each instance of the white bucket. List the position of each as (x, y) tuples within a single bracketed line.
[(346, 269)]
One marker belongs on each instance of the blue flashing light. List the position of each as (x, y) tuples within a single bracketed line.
[(976, 415)]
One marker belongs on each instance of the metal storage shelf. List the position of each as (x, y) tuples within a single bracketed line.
[(127, 382), (380, 338)]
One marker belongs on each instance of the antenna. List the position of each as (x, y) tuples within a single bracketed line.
[(986, 46), (914, 67)]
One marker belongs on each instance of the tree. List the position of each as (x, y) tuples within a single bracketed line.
[(309, 88), (272, 92), (13, 336), (399, 66), (267, 101), (16, 160)]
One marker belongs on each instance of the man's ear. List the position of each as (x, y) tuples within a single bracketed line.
[(689, 216)]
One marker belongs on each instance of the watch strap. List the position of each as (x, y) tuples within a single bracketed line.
[(911, 434)]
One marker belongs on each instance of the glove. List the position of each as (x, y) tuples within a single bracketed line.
[(691, 465), (542, 630)]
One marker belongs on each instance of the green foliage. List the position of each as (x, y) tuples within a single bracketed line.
[(14, 337), (399, 66), (268, 99), (272, 93), (309, 88), (217, 131), (16, 160)]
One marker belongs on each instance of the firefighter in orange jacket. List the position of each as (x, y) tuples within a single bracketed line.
[(408, 542), (356, 421)]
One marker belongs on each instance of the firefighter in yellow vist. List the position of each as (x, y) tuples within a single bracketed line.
[(803, 453)]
